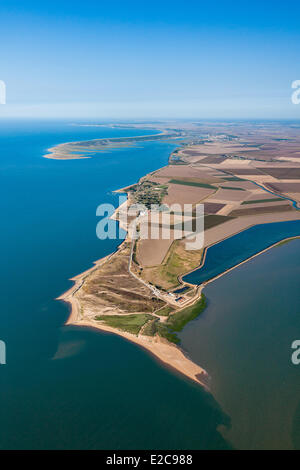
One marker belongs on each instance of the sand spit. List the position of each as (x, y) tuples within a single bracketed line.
[(169, 354), (231, 186), (86, 149)]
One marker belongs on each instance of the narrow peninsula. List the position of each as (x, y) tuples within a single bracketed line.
[(244, 175)]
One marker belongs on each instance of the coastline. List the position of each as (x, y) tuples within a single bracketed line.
[(204, 284), (169, 354), (82, 149), (166, 352)]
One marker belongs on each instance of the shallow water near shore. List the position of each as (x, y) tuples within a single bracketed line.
[(76, 388)]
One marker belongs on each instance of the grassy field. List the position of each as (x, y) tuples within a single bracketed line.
[(284, 242), (165, 311), (177, 261), (134, 259), (179, 319), (176, 322), (129, 323), (156, 327), (232, 178), (214, 219), (232, 188), (151, 328), (164, 331)]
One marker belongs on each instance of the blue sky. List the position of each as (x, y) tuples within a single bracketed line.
[(157, 59)]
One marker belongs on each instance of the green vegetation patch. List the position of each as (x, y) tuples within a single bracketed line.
[(164, 331), (148, 193), (179, 319), (165, 311), (129, 323), (257, 201), (193, 183), (232, 178), (210, 220), (134, 258), (156, 327), (288, 240), (151, 328), (232, 188), (214, 219)]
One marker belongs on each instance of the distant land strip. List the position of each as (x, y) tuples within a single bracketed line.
[(87, 148)]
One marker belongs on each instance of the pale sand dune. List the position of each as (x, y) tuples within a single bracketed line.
[(63, 152)]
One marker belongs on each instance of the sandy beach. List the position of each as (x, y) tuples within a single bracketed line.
[(86, 149), (167, 353), (230, 195)]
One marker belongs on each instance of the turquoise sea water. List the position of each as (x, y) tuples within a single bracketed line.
[(68, 387)]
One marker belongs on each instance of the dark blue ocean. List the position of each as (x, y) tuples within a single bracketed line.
[(75, 388)]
